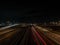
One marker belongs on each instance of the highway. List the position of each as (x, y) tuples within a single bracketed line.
[(27, 35)]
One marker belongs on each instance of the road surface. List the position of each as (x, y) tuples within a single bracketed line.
[(27, 35)]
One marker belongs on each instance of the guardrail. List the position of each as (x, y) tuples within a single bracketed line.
[(8, 26)]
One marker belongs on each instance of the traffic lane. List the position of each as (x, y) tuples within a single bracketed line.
[(18, 37), (27, 39), (36, 39), (6, 32), (52, 36), (48, 40), (45, 38), (9, 29), (6, 38), (38, 35)]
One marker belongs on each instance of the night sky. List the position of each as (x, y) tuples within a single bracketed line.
[(28, 12)]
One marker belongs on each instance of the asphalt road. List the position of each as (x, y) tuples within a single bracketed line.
[(28, 35)]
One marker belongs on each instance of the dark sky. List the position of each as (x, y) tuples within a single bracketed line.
[(28, 12)]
